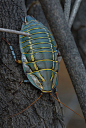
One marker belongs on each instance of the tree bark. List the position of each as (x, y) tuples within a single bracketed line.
[(15, 98), (68, 48)]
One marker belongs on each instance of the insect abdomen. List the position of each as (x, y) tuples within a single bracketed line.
[(40, 52)]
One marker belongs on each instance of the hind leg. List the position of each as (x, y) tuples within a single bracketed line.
[(60, 105)]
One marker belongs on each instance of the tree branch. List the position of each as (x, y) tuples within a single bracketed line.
[(14, 31), (67, 7), (67, 47), (74, 12)]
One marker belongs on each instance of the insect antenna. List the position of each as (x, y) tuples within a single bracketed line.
[(66, 106), (25, 108), (6, 41)]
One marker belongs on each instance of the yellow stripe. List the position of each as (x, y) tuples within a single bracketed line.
[(42, 70), (36, 28), (38, 72), (42, 48), (39, 60), (42, 38), (36, 48), (25, 46), (32, 29), (33, 24), (50, 40), (53, 66), (29, 42), (39, 38), (51, 77), (31, 47), (36, 33), (53, 54), (22, 36), (29, 37), (28, 23), (51, 46), (47, 91), (38, 52), (37, 43), (53, 62), (29, 26), (24, 41), (35, 66), (31, 21), (32, 57), (41, 77)]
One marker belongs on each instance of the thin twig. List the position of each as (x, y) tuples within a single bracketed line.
[(67, 7), (14, 32), (74, 12)]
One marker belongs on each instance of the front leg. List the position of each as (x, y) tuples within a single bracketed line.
[(16, 60), (24, 81), (13, 53)]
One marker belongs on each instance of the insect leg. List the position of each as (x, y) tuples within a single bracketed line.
[(14, 56), (60, 105), (25, 108), (65, 105), (56, 93), (24, 81), (58, 54), (18, 61), (13, 53)]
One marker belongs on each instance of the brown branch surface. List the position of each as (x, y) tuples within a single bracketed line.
[(68, 48)]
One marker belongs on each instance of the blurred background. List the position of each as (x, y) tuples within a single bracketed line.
[(67, 95)]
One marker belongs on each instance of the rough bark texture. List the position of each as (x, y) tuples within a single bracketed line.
[(14, 98), (68, 48)]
